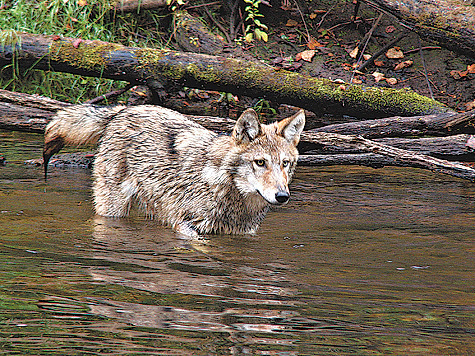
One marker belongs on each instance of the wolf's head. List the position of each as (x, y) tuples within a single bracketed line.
[(267, 155)]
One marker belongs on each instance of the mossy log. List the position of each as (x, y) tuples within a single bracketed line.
[(448, 23), (240, 77)]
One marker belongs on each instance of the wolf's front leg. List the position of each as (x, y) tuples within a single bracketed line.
[(110, 199), (187, 229)]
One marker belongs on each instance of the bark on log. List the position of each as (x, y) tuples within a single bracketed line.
[(450, 24), (444, 124), (457, 147), (146, 66)]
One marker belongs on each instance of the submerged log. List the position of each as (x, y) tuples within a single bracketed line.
[(448, 23), (147, 65)]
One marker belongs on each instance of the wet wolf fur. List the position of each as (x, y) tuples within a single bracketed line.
[(179, 172)]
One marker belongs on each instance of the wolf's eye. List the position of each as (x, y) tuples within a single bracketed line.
[(260, 162), (285, 163)]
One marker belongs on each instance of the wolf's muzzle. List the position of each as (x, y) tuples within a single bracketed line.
[(282, 197)]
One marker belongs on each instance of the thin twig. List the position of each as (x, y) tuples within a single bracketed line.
[(355, 12), (325, 15), (425, 69), (365, 41), (201, 5), (221, 27), (424, 48), (380, 52), (109, 95), (309, 38)]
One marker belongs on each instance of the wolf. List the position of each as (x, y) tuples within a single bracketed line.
[(180, 173)]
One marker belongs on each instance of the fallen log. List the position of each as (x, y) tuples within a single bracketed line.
[(147, 66), (399, 157), (453, 148), (427, 125), (448, 23)]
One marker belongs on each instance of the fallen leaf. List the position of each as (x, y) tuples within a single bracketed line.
[(82, 2), (313, 16), (390, 29), (366, 56), (342, 87), (391, 81), (378, 63), (378, 76), (394, 53), (356, 81), (458, 74), (404, 64), (306, 55), (313, 43), (76, 42), (354, 53), (471, 68), (291, 23), (470, 105)]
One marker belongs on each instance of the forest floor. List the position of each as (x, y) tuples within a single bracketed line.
[(320, 41)]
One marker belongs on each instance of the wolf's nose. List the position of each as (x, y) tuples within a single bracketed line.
[(282, 197)]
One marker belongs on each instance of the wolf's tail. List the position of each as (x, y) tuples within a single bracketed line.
[(76, 125)]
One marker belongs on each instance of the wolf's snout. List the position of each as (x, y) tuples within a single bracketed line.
[(282, 197)]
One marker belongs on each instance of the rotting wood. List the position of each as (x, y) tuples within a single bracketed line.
[(448, 23), (142, 65)]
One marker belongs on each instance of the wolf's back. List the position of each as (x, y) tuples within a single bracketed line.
[(76, 125)]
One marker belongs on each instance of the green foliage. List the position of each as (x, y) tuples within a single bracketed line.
[(71, 18), (254, 28)]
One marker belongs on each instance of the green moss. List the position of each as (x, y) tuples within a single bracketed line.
[(90, 57)]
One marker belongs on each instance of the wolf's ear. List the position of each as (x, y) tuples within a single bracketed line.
[(247, 127), (292, 127)]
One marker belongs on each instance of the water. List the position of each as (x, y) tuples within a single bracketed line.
[(361, 262)]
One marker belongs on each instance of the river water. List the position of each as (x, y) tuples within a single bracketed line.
[(360, 262)]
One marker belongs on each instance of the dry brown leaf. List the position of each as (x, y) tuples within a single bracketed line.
[(394, 53), (354, 53), (366, 56), (356, 81), (291, 23), (471, 68), (306, 55), (378, 76), (390, 29), (470, 105), (392, 81), (458, 74), (404, 64), (313, 43), (378, 63)]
